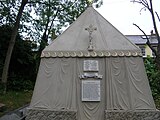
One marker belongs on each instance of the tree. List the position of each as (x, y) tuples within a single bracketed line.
[(22, 71), (153, 75), (148, 4), (11, 45), (50, 17), (43, 19), (53, 16), (8, 10)]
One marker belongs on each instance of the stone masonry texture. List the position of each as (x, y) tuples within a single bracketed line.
[(132, 115), (50, 115)]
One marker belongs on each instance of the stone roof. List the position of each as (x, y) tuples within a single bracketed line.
[(141, 39), (91, 35)]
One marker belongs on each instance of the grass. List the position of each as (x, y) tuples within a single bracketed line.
[(17, 99), (14, 100)]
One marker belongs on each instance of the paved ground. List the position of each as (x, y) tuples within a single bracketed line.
[(18, 114)]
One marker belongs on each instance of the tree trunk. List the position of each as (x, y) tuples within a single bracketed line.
[(44, 40), (158, 56), (11, 46), (157, 34)]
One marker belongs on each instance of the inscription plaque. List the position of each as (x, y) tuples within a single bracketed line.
[(91, 90), (90, 65)]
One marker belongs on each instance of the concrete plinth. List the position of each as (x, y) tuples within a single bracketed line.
[(132, 115), (36, 114)]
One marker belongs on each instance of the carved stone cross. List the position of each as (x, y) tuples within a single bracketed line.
[(90, 29)]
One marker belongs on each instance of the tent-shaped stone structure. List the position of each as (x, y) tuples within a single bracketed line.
[(91, 72)]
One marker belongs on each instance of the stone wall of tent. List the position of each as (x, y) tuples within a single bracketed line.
[(123, 82), (124, 86)]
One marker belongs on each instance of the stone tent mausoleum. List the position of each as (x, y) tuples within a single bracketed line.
[(92, 72)]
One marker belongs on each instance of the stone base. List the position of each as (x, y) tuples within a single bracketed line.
[(132, 115), (36, 114)]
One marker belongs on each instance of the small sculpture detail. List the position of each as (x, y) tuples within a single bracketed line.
[(90, 29)]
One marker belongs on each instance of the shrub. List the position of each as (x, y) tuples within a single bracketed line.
[(154, 77)]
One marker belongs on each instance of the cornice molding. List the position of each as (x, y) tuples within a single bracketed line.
[(127, 53)]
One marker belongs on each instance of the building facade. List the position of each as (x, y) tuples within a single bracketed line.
[(140, 41)]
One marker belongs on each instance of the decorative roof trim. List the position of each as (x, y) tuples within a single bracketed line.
[(115, 53)]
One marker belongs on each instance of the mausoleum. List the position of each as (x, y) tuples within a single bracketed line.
[(92, 72)]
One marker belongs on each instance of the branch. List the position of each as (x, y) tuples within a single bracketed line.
[(38, 2), (134, 1), (144, 8), (154, 22), (143, 2), (63, 6), (2, 3), (35, 2), (53, 21), (11, 45), (158, 16), (148, 42)]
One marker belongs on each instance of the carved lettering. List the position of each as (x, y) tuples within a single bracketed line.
[(90, 65), (90, 90)]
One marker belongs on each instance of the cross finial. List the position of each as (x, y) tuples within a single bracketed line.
[(90, 29)]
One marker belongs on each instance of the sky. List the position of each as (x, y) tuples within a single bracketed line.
[(123, 13)]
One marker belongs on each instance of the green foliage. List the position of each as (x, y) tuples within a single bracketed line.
[(20, 83), (41, 20), (5, 33), (43, 17), (14, 100), (8, 10), (154, 78), (53, 16), (23, 65)]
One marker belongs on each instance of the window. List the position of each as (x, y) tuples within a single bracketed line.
[(143, 50)]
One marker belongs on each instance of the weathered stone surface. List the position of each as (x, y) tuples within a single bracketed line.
[(35, 114), (132, 115)]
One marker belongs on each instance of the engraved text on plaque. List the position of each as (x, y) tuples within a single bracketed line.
[(91, 90), (90, 65)]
